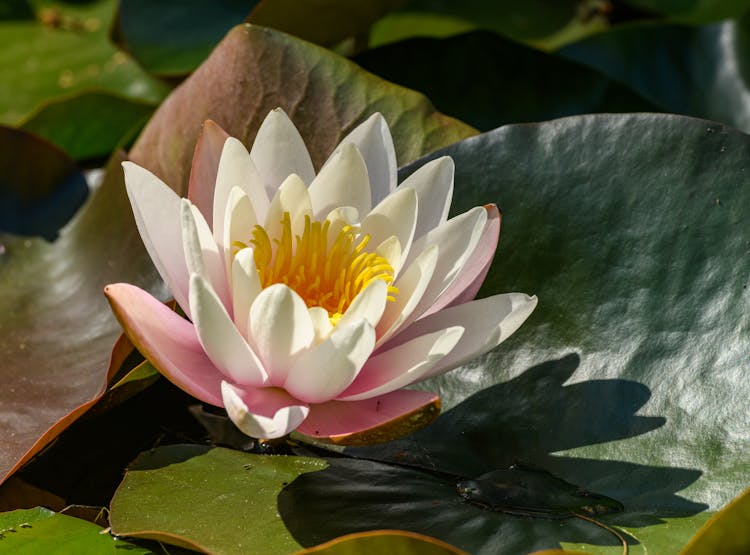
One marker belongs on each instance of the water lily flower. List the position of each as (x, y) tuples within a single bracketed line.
[(312, 300)]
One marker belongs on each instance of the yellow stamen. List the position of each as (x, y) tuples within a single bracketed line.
[(327, 277)]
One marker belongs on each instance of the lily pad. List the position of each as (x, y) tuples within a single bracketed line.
[(231, 495), (324, 94), (698, 71), (57, 331), (514, 80), (40, 186), (628, 380), (43, 531), (102, 122), (385, 541), (65, 49)]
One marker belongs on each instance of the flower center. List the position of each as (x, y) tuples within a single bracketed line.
[(325, 273)]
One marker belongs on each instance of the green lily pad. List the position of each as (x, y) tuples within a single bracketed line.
[(728, 532), (40, 186), (231, 495), (514, 80), (384, 541), (698, 71), (30, 531), (63, 50), (102, 122), (313, 85), (628, 380), (172, 38)]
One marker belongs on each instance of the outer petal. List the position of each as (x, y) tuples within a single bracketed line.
[(342, 181), (202, 254), (411, 285), (156, 208), (402, 365), (236, 169), (488, 322), (471, 277), (279, 328), (205, 164), (319, 374), (456, 239), (373, 139), (279, 151), (433, 183), (264, 413), (373, 420), (245, 287), (396, 215), (221, 339), (167, 340)]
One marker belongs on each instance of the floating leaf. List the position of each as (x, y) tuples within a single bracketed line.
[(102, 122), (384, 541), (64, 50), (40, 186), (514, 80), (231, 495), (43, 531)]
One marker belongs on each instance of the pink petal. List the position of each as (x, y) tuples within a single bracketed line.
[(487, 323), (471, 277), (265, 413), (167, 340), (205, 166), (373, 420)]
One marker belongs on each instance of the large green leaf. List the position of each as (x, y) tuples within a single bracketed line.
[(40, 186), (231, 496), (57, 331), (89, 124), (34, 531), (63, 51), (630, 229), (173, 37), (512, 80), (700, 71), (325, 94)]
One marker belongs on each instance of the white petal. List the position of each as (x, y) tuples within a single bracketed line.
[(265, 413), (488, 322), (434, 185), (396, 215), (245, 287), (221, 340), (291, 197), (373, 139), (342, 181), (456, 240), (236, 169), (239, 221), (339, 218), (202, 254), (321, 373), (156, 208), (402, 365), (321, 323), (368, 305), (279, 151), (411, 285), (390, 249), (279, 328)]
